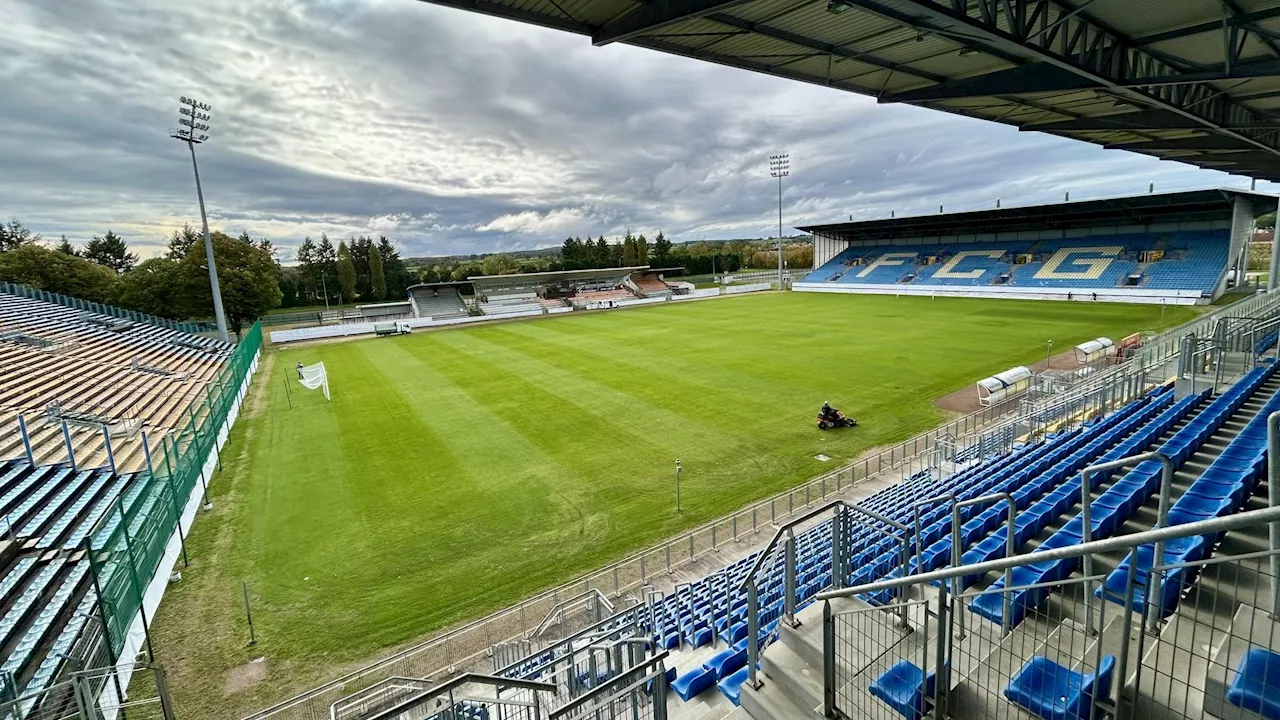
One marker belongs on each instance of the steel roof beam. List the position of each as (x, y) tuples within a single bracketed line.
[(1197, 143), (1075, 43), (1046, 77), (1036, 77), (828, 48), (1237, 20), (655, 15)]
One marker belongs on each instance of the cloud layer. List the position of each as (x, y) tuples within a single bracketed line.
[(457, 133)]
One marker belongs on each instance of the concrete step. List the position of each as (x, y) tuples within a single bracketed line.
[(800, 680), (770, 701)]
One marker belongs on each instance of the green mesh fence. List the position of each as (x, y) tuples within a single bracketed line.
[(100, 309), (127, 543)]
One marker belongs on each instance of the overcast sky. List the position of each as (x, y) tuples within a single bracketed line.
[(453, 132)]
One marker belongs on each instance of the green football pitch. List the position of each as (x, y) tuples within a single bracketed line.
[(456, 472)]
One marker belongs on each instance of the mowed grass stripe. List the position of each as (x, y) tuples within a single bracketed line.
[(456, 472)]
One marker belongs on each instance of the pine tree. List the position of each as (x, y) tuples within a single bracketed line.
[(111, 251), (628, 250), (346, 272), (377, 279), (181, 241), (642, 251), (65, 247)]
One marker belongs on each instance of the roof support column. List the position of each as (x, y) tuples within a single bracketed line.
[(1275, 255)]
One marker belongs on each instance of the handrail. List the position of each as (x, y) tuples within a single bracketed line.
[(1162, 517), (340, 705), (1010, 543), (560, 606), (1273, 501), (1211, 526), (463, 679), (569, 707), (773, 542)]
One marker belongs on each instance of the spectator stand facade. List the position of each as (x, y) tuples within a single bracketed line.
[(1170, 248), (93, 529)]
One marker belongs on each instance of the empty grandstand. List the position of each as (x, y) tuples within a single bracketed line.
[(112, 421), (438, 300), (85, 384), (1174, 248)]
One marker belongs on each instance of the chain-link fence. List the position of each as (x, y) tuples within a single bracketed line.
[(125, 546), (1178, 640)]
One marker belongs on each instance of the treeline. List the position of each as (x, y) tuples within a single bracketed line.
[(697, 258), (175, 285), (361, 270)]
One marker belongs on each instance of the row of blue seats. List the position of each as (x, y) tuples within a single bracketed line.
[(1036, 516), (813, 574), (1114, 506), (1057, 461), (1223, 489), (1133, 427)]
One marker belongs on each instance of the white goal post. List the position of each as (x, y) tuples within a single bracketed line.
[(312, 377)]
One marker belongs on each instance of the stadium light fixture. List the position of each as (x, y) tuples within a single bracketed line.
[(193, 123), (835, 7), (780, 167)]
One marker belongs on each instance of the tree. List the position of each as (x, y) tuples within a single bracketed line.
[(182, 240), (628, 250), (398, 275), (346, 273), (110, 251), (65, 247), (308, 269), (499, 264), (157, 286), (661, 250), (1266, 221), (15, 235), (246, 274), (642, 250), (377, 279), (600, 258), (32, 264)]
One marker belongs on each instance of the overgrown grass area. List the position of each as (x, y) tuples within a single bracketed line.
[(457, 471)]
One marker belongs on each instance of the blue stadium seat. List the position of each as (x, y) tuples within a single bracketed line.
[(731, 687), (1256, 686), (692, 683), (905, 688), (1052, 692)]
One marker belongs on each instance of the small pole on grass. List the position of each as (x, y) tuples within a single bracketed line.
[(247, 614), (677, 484)]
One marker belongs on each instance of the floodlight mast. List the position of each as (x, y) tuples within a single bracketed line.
[(780, 167), (193, 117)]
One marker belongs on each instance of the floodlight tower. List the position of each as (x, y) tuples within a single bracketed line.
[(193, 117), (780, 167)]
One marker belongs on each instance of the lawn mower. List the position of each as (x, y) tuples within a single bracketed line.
[(830, 418)]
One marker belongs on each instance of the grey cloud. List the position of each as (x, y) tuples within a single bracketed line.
[(454, 132)]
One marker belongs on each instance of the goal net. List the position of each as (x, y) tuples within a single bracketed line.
[(314, 377)]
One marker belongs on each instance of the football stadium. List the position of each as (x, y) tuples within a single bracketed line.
[(1022, 473)]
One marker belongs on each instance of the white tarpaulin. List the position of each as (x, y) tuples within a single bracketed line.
[(314, 376)]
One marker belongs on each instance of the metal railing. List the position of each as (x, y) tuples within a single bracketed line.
[(977, 674), (463, 696)]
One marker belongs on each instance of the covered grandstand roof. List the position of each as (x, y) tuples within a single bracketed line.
[(554, 275), (1181, 206), (1196, 81)]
